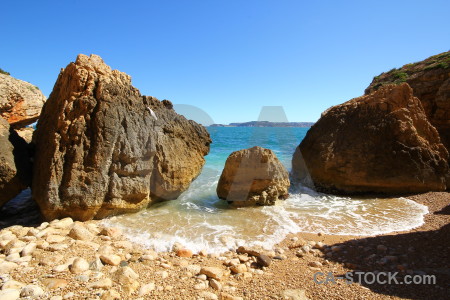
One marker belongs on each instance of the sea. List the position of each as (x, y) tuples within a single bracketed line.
[(199, 220)]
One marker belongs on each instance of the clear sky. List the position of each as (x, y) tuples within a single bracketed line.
[(230, 57)]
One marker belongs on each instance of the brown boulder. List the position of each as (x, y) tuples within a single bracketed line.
[(15, 167), (253, 176), (430, 81), (377, 143), (103, 149), (20, 101)]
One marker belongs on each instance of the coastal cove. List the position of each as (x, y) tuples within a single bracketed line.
[(200, 221)]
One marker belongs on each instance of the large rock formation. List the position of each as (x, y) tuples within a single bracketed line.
[(253, 176), (379, 143), (20, 101), (15, 168), (103, 149), (430, 81)]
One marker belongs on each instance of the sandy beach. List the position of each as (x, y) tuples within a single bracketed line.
[(98, 263)]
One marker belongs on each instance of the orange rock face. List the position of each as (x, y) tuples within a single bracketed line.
[(20, 101), (377, 143), (103, 149), (430, 81)]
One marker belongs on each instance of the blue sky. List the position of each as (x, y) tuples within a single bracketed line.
[(229, 58)]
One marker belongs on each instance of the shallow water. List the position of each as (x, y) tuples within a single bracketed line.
[(199, 220)]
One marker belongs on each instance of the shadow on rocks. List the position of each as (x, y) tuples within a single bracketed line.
[(21, 210), (415, 253)]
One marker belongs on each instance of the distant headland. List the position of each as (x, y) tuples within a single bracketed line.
[(266, 124)]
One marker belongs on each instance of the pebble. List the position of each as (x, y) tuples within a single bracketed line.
[(202, 277), (56, 298), (212, 272), (12, 257), (263, 260), (28, 249), (54, 283), (62, 224), (146, 289), (315, 264), (12, 284), (7, 266), (57, 247), (32, 291), (241, 268), (194, 269), (295, 294), (208, 295), (184, 253), (125, 274), (96, 265), (110, 259), (166, 266), (111, 295), (79, 265), (69, 295), (79, 232), (111, 232), (215, 284), (201, 286), (9, 294), (105, 284)]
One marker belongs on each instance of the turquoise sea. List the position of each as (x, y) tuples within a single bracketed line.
[(199, 220)]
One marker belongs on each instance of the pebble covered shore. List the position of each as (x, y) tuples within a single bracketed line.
[(64, 259)]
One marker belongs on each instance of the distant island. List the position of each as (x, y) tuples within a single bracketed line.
[(266, 124)]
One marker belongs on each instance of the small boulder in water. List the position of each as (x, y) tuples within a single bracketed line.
[(253, 176)]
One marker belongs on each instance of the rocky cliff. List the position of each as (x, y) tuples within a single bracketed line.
[(430, 81), (102, 148), (378, 143), (20, 101), (15, 167)]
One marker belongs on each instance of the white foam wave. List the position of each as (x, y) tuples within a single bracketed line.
[(201, 223)]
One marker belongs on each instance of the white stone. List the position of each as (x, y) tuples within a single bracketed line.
[(60, 268), (28, 249), (146, 289), (7, 266), (32, 291), (79, 265), (12, 284), (9, 294), (62, 224)]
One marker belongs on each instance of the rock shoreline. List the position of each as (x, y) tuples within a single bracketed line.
[(64, 259)]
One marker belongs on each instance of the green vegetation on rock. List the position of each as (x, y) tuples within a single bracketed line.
[(403, 74), (4, 72)]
